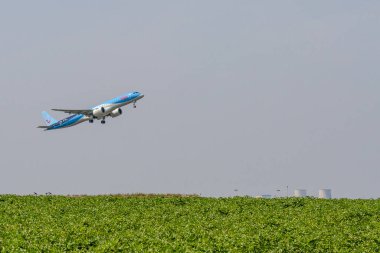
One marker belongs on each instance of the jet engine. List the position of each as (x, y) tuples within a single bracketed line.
[(99, 112), (116, 112)]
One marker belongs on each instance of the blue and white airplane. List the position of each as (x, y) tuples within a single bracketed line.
[(111, 108)]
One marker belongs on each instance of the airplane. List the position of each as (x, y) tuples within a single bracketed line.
[(110, 108)]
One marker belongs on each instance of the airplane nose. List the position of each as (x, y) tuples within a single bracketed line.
[(141, 95)]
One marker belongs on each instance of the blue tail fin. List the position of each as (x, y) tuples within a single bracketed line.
[(49, 120)]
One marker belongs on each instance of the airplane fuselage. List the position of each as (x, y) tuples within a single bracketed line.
[(105, 109)]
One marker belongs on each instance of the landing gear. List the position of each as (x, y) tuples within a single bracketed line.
[(134, 105), (91, 121), (103, 120)]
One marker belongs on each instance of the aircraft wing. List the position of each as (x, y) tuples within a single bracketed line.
[(86, 112)]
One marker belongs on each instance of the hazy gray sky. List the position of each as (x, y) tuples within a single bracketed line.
[(247, 95)]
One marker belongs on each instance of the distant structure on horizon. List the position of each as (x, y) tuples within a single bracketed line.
[(264, 196), (325, 193), (300, 193)]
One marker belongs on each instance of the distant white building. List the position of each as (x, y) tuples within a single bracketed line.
[(300, 193), (325, 193), (264, 196)]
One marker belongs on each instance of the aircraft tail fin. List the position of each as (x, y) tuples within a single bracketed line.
[(49, 120)]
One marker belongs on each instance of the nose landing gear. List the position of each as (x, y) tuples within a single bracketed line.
[(103, 120)]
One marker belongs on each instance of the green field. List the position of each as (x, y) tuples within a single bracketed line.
[(187, 224)]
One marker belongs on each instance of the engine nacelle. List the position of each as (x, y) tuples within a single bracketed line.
[(99, 112), (116, 112)]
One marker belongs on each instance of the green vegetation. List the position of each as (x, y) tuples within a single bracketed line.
[(187, 224)]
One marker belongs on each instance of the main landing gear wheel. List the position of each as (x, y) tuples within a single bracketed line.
[(103, 121), (91, 121)]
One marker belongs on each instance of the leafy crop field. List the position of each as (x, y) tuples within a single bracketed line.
[(187, 224)]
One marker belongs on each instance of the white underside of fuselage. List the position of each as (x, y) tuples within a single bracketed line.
[(108, 107)]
